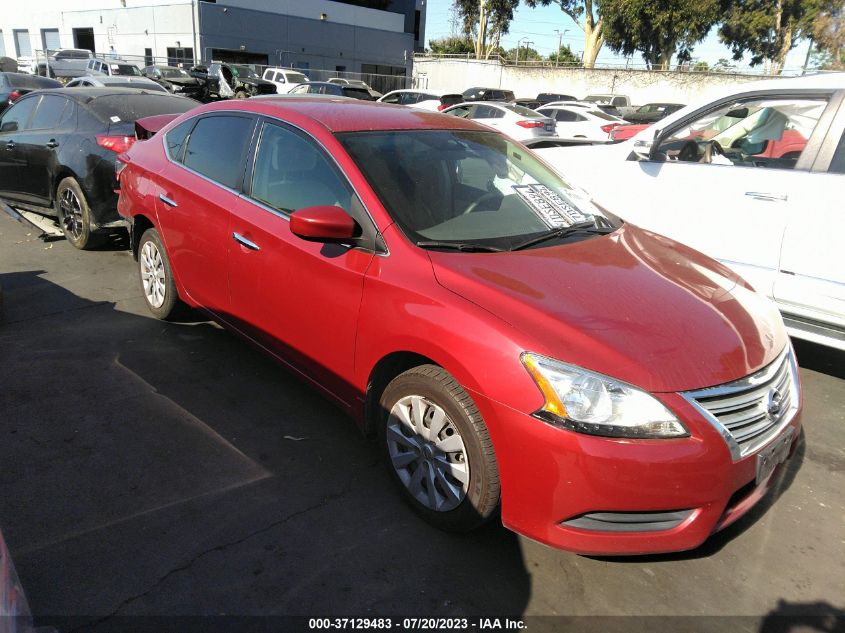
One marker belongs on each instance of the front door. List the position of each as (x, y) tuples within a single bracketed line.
[(299, 298), (13, 125)]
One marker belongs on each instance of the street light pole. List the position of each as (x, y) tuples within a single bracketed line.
[(518, 45), (559, 44)]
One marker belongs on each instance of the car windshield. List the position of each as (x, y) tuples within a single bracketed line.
[(173, 73), (243, 71), (125, 69), (456, 187)]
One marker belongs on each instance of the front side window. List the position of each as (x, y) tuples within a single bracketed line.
[(455, 187), (291, 173), (216, 148), (763, 132), (16, 118), (394, 98)]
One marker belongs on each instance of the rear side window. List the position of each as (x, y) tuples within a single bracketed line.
[(16, 118), (49, 113), (487, 112), (837, 165), (618, 101), (523, 111), (603, 115), (174, 141), (564, 116), (217, 146), (357, 93)]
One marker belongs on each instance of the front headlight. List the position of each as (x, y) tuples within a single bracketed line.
[(588, 402)]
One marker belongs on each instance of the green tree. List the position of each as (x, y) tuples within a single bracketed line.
[(767, 29), (829, 37), (452, 46), (522, 54), (565, 57), (587, 15), (486, 21), (658, 29)]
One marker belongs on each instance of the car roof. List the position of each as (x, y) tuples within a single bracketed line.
[(86, 94), (344, 115)]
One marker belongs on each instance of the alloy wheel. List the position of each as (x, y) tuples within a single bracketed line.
[(428, 453), (71, 207), (152, 274)]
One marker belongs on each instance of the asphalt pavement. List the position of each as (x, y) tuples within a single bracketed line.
[(169, 469)]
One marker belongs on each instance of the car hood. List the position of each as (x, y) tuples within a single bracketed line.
[(633, 305), (183, 81), (252, 81)]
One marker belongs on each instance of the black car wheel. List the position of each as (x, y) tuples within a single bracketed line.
[(74, 215)]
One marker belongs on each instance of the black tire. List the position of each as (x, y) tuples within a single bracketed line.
[(74, 215), (482, 492), (170, 304)]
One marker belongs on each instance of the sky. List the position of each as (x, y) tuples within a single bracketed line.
[(538, 26)]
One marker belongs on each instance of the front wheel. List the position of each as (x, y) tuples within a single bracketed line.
[(438, 449), (156, 276)]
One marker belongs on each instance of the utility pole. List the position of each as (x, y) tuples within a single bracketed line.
[(559, 44), (518, 45)]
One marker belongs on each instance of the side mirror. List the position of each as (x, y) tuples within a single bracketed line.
[(324, 224), (11, 126)]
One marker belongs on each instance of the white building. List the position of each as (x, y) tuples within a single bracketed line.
[(332, 35)]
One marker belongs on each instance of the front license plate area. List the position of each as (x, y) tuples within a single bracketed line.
[(769, 458)]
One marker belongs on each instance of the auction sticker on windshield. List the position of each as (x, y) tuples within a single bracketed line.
[(553, 210)]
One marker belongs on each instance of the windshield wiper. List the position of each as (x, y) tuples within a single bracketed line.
[(461, 246), (566, 231)]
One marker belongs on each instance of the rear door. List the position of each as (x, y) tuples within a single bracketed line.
[(196, 190), (300, 299), (811, 278), (13, 127), (54, 119)]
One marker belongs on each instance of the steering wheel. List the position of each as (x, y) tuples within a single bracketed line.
[(713, 147), (487, 197)]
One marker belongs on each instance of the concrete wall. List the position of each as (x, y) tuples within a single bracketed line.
[(640, 85)]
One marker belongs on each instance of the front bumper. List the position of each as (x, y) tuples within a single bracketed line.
[(550, 475)]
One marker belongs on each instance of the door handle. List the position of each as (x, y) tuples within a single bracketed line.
[(240, 239), (770, 197), (167, 201), (52, 143), (10, 145)]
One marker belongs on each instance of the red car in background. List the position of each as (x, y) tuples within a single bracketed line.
[(511, 344), (624, 132)]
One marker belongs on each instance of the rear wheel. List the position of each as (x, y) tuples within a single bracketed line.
[(74, 215), (438, 449), (156, 276)]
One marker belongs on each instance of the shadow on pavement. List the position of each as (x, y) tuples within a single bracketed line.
[(169, 469)]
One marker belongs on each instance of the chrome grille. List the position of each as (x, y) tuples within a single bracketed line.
[(751, 411)]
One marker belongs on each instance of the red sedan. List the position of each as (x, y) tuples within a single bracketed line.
[(512, 344)]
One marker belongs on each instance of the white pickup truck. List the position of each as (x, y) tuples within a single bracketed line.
[(753, 178), (621, 103), (66, 62)]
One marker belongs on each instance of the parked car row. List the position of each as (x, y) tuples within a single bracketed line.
[(517, 349)]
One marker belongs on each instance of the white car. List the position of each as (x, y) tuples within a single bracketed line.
[(284, 78), (754, 178), (516, 121), (424, 99), (582, 122)]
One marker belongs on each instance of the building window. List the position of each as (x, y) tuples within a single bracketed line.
[(417, 15), (23, 47), (50, 40), (2, 44), (148, 57), (177, 56)]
